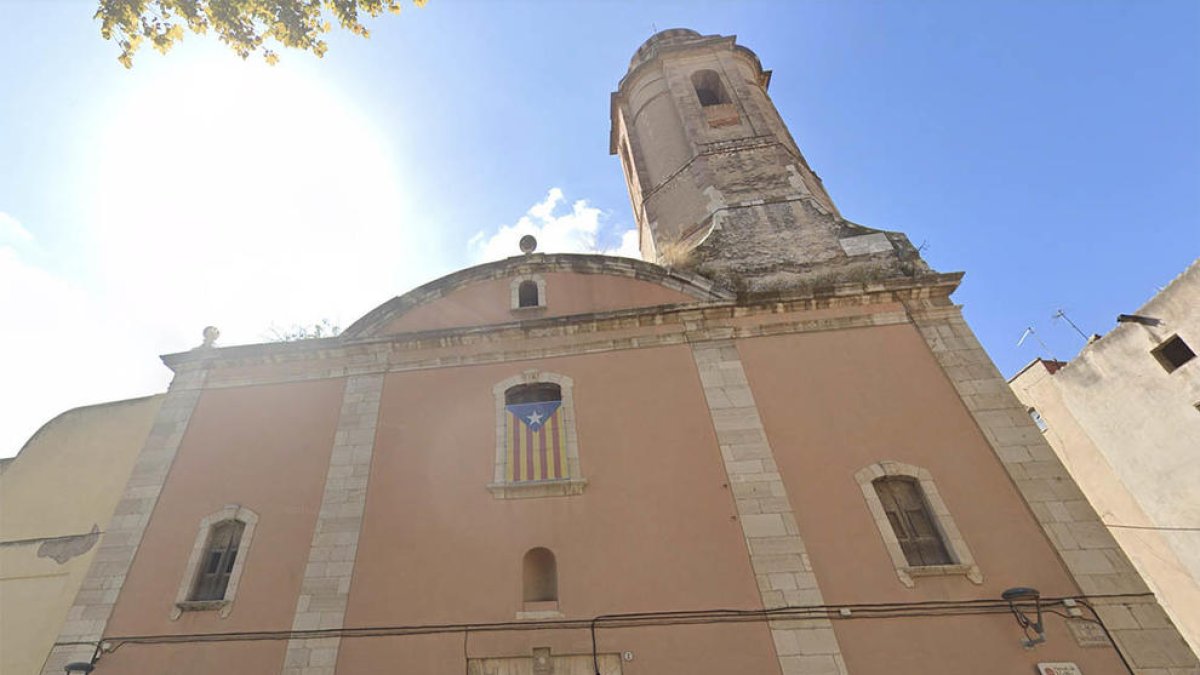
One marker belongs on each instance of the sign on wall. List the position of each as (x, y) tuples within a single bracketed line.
[(1060, 668)]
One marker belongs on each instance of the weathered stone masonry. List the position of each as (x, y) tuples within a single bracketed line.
[(80, 635), (326, 585), (1139, 625), (777, 553)]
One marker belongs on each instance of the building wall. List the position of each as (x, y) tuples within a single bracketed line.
[(660, 525), (64, 484), (490, 302), (835, 402), (265, 448), (1128, 431)]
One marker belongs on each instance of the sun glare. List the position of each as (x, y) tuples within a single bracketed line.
[(252, 194)]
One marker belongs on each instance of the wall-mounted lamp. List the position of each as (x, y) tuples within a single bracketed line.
[(79, 667), (1014, 595)]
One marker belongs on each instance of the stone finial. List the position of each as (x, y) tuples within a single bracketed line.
[(528, 244), (211, 333)]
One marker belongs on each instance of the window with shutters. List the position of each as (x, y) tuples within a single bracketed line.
[(911, 521), (218, 557), (916, 526), (537, 452), (218, 560)]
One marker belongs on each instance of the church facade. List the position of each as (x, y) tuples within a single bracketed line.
[(776, 449)]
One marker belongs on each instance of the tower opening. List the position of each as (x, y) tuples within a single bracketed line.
[(709, 88)]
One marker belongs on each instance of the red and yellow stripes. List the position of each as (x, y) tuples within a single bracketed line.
[(536, 455)]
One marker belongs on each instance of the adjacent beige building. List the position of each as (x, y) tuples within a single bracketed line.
[(1124, 417), (56, 499)]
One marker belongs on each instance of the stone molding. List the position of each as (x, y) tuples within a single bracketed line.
[(80, 635), (694, 285), (860, 305), (1091, 555), (514, 288), (183, 603), (777, 553), (325, 588), (964, 562)]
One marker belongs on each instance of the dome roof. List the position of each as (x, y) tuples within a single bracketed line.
[(663, 38)]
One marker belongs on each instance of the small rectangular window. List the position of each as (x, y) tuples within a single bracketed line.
[(1172, 353), (1037, 419)]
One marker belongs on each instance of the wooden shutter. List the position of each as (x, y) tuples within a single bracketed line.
[(912, 522), (217, 563)]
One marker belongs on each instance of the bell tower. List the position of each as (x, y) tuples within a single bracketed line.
[(719, 185)]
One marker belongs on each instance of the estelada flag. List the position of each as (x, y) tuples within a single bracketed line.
[(537, 441)]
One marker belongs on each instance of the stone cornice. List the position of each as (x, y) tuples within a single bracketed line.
[(588, 333), (694, 285)]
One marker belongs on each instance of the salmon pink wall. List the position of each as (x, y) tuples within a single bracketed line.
[(490, 302), (654, 529), (266, 448), (835, 402)]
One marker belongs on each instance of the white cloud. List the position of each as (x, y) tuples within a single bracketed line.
[(11, 230), (581, 229)]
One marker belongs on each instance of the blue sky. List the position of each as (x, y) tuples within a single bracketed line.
[(1049, 149)]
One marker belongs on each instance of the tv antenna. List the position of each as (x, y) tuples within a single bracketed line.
[(1060, 314), (1029, 331)]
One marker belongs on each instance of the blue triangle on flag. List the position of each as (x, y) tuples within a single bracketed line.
[(534, 415)]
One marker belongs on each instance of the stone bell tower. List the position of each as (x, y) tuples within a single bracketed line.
[(718, 184)]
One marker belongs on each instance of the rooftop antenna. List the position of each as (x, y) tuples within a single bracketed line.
[(1060, 314), (1029, 331)]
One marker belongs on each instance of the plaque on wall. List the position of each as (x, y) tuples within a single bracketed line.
[(1060, 668), (1088, 634)]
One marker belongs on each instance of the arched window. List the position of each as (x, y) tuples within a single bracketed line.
[(911, 520), (918, 531), (527, 294), (217, 563), (536, 435), (709, 88), (537, 452), (218, 558), (540, 576)]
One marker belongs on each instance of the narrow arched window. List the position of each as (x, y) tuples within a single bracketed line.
[(709, 88), (527, 294), (535, 433), (216, 564), (537, 451), (540, 576), (909, 515)]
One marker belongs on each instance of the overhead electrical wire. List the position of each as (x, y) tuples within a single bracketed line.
[(622, 620)]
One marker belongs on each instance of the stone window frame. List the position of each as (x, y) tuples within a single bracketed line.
[(574, 483), (515, 292), (956, 545), (249, 520)]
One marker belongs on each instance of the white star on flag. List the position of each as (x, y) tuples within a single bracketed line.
[(534, 418)]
